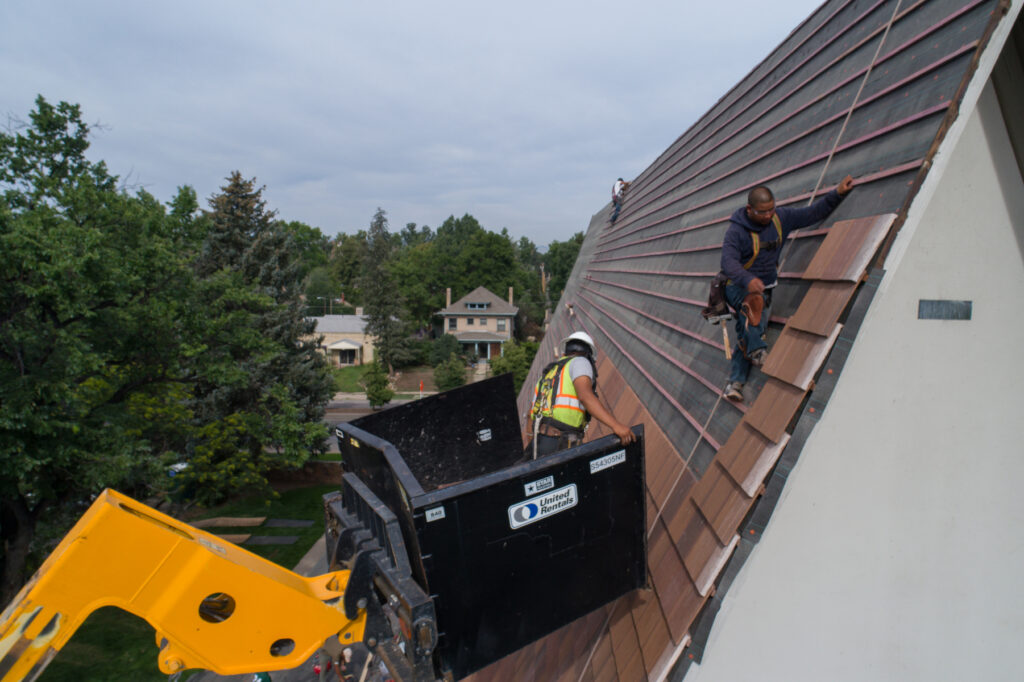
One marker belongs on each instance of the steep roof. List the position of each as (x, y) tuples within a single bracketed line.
[(862, 87), (495, 305)]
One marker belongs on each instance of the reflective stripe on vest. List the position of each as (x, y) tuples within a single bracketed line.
[(564, 406)]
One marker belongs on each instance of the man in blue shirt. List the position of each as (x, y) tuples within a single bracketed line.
[(750, 259)]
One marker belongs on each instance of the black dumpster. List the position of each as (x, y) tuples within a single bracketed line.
[(507, 548)]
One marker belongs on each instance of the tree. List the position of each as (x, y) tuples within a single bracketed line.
[(515, 358), (444, 346), (312, 246), (346, 264), (451, 373), (94, 290), (559, 261), (383, 306), (259, 386), (378, 392)]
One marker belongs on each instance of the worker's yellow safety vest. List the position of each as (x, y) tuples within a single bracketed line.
[(555, 401)]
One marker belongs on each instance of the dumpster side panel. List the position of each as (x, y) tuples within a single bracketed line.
[(456, 435), (537, 548), (381, 468)]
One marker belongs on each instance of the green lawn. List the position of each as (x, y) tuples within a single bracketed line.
[(115, 645), (346, 379)]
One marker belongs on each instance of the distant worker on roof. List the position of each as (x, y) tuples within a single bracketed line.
[(750, 259), (565, 398), (618, 194)]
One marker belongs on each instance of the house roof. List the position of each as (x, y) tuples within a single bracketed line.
[(495, 305), (340, 324), (479, 336), (867, 88), (345, 344)]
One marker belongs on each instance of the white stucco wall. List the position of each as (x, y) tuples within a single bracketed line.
[(897, 550)]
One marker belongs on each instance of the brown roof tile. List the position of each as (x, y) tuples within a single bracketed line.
[(848, 248), (722, 502), (774, 408), (706, 556), (602, 665), (821, 307), (651, 628), (625, 645), (748, 456), (796, 356), (676, 592), (663, 465)]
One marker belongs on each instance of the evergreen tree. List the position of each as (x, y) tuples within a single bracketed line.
[(378, 392), (260, 386), (382, 304)]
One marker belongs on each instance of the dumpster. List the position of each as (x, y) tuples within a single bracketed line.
[(499, 549)]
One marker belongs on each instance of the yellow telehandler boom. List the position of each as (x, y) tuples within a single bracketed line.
[(213, 605)]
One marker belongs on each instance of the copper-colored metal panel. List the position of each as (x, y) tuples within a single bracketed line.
[(621, 626), (632, 670), (602, 666), (658, 544), (722, 502), (651, 628), (585, 632), (821, 307), (625, 645), (681, 608), (750, 474), (677, 513), (741, 452), (706, 557), (663, 465), (796, 356), (679, 598), (610, 382), (774, 407), (848, 248)]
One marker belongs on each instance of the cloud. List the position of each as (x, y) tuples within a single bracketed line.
[(519, 114)]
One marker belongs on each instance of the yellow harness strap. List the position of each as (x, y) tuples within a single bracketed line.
[(757, 241)]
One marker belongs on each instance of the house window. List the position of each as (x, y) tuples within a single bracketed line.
[(453, 324), (483, 321), (501, 325), (470, 322)]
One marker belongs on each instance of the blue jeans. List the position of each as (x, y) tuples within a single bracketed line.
[(748, 337)]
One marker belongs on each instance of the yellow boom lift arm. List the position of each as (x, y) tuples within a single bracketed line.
[(213, 605)]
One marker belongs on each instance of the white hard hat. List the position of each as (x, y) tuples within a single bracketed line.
[(581, 337)]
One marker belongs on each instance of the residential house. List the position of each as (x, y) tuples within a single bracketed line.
[(480, 320), (345, 341)]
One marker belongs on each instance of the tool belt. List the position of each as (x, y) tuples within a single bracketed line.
[(555, 432)]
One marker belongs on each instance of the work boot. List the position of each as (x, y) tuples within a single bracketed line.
[(734, 391)]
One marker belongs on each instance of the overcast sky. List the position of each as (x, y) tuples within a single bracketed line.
[(519, 113)]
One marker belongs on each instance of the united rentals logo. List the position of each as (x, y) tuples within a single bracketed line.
[(526, 512)]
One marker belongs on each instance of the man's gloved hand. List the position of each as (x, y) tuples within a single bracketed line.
[(756, 286), (753, 306)]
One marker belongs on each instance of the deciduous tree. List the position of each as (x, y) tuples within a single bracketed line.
[(94, 291)]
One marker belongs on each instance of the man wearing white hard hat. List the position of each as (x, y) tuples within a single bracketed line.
[(565, 399)]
